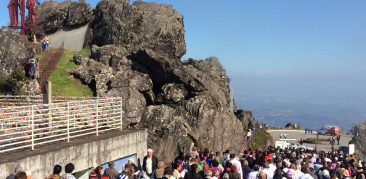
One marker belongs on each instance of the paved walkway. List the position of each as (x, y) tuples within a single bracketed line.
[(298, 134), (73, 39)]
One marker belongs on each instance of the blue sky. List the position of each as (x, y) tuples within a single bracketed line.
[(306, 48)]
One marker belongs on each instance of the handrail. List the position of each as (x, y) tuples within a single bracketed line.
[(28, 127)]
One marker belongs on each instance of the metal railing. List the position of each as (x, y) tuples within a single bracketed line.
[(37, 125), (7, 101)]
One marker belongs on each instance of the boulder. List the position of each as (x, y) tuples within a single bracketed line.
[(14, 51), (142, 25), (196, 121), (173, 93), (360, 139), (51, 16), (79, 13)]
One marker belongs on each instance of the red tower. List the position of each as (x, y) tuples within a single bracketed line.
[(18, 6)]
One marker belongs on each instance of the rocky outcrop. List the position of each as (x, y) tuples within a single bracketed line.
[(14, 52), (157, 27), (360, 139), (53, 16), (137, 56), (79, 13)]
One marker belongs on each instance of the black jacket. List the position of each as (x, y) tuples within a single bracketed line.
[(154, 163)]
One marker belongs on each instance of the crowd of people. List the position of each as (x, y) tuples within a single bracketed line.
[(199, 163)]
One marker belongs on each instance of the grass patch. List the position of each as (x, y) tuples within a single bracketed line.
[(62, 83), (260, 138)]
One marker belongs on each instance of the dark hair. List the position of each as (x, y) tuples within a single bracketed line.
[(168, 171), (215, 163), (175, 165), (256, 168), (21, 175), (57, 169), (194, 168), (232, 156), (69, 168)]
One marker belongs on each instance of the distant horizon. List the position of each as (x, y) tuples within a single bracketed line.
[(310, 51)]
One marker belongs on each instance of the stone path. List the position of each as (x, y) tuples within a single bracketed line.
[(298, 134)]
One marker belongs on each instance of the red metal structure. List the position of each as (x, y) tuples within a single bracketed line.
[(18, 6)]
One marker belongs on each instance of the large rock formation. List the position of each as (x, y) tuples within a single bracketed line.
[(53, 16), (137, 56), (139, 26), (14, 52), (360, 139)]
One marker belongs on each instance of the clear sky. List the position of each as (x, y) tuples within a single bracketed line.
[(306, 48)]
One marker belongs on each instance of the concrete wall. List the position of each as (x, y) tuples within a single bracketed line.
[(83, 156)]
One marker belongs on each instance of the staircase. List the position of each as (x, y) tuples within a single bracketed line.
[(48, 63)]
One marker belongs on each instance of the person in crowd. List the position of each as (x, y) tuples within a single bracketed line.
[(12, 176), (236, 163), (21, 175), (69, 168), (56, 174), (254, 174), (168, 173), (150, 163), (96, 173), (177, 168), (32, 68), (192, 174), (111, 172), (160, 170), (45, 43), (126, 173)]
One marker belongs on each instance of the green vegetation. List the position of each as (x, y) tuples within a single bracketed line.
[(62, 83), (12, 84), (260, 138)]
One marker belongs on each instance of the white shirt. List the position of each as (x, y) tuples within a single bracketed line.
[(306, 176), (237, 164), (253, 175), (149, 165)]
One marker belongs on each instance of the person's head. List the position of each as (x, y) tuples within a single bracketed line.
[(161, 164), (21, 175), (57, 169), (176, 166), (194, 168), (150, 152), (111, 164), (98, 170), (215, 163), (256, 168), (69, 168), (232, 156), (127, 168), (168, 171)]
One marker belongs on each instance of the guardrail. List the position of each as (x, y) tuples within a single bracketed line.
[(36, 125), (7, 101)]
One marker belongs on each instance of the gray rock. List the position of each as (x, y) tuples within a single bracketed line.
[(360, 139), (139, 26), (51, 16), (79, 13), (173, 93), (14, 52)]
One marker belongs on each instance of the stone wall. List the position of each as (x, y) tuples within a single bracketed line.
[(88, 153)]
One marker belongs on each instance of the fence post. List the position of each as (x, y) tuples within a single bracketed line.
[(32, 127), (97, 118), (121, 114), (68, 121)]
